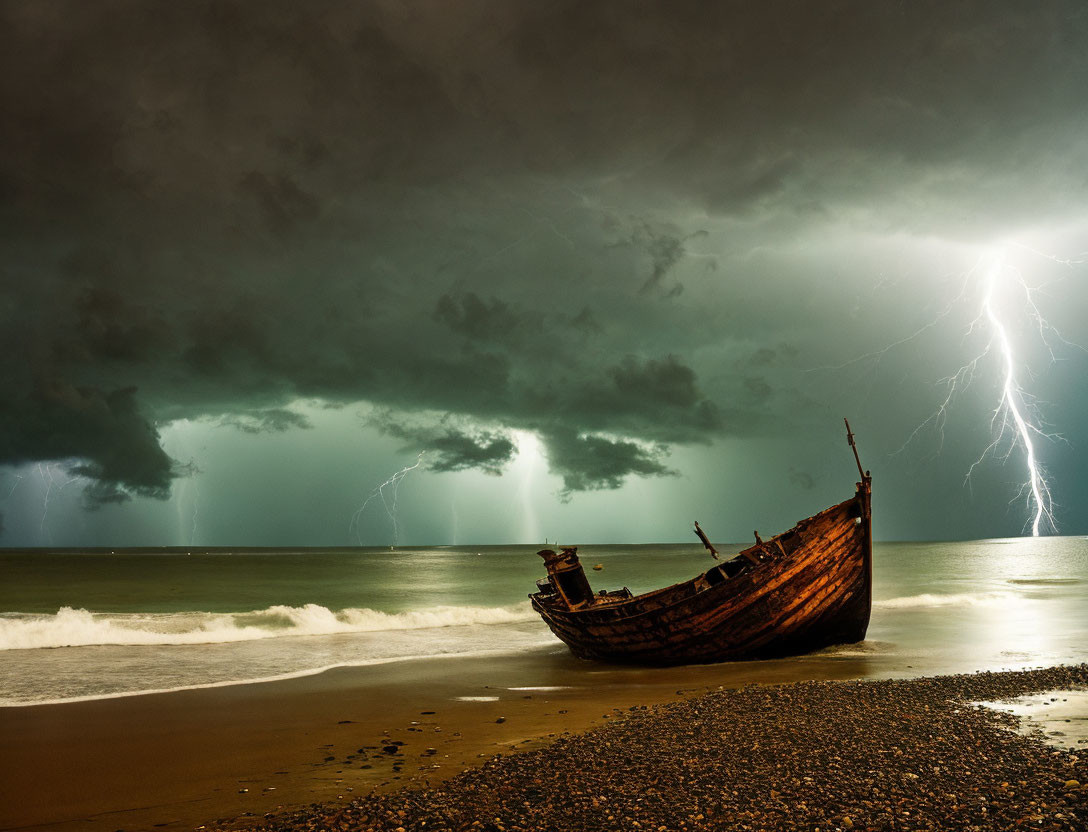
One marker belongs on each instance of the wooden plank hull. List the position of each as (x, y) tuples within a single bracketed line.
[(804, 589)]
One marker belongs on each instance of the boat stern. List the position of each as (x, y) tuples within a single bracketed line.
[(566, 585)]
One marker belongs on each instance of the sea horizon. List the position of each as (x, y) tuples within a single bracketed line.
[(364, 547), (87, 624)]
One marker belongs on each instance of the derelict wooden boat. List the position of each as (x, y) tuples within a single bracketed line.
[(806, 588)]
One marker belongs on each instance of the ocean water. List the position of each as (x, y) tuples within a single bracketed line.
[(97, 624)]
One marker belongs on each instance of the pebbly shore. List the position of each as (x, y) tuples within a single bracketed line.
[(863, 755)]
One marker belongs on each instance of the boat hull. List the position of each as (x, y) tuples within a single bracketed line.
[(813, 589)]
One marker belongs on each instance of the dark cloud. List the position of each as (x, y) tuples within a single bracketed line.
[(477, 319), (770, 356), (665, 251), (620, 228), (457, 451), (586, 321), (451, 448), (109, 328), (666, 382), (283, 204), (661, 394), (103, 434), (783, 107), (591, 463), (271, 420), (758, 388)]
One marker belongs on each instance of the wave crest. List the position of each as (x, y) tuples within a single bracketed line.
[(967, 599), (70, 627)]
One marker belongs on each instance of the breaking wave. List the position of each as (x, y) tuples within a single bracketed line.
[(70, 627), (967, 599)]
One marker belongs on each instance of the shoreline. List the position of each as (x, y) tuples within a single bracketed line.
[(819, 755), (177, 760), (180, 758), (284, 677)]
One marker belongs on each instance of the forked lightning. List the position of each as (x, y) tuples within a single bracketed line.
[(389, 501)]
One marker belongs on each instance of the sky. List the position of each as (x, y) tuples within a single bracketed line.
[(595, 269)]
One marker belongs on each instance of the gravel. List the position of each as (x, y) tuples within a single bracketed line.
[(864, 755)]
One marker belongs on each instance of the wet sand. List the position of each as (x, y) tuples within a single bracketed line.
[(182, 758), (1060, 717), (873, 754)]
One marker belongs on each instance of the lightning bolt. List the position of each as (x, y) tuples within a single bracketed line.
[(389, 500), (994, 288), (14, 485), (45, 498), (1013, 405), (1015, 423), (49, 478), (196, 503)]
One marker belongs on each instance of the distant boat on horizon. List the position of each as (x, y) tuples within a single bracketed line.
[(807, 588)]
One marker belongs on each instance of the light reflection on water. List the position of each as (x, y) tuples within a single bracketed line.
[(938, 607), (1018, 602), (1061, 716)]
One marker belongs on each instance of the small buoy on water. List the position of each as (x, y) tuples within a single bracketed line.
[(597, 567)]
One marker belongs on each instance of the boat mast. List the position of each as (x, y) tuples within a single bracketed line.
[(865, 475), (702, 536), (865, 490)]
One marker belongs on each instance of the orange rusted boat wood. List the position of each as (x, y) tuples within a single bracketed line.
[(806, 588), (709, 546)]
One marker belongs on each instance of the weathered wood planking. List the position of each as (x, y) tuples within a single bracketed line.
[(806, 588)]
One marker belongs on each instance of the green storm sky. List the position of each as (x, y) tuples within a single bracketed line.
[(610, 266)]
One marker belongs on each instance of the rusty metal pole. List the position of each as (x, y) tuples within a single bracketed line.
[(854, 448)]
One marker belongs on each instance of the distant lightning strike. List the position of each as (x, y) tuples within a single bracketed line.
[(45, 497), (1015, 425), (1011, 404), (48, 476), (196, 503), (14, 485), (389, 500)]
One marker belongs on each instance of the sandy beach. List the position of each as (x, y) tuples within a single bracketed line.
[(873, 754), (184, 759), (176, 760), (233, 754), (560, 416)]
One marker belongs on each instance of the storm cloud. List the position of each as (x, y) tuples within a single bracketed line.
[(595, 462), (624, 228), (450, 447)]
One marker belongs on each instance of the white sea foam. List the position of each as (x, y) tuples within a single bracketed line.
[(15, 702), (70, 627), (544, 688), (927, 599)]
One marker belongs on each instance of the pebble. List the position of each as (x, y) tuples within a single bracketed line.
[(860, 755)]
